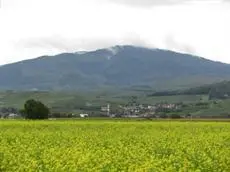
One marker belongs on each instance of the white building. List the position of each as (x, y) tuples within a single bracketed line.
[(12, 116), (84, 115)]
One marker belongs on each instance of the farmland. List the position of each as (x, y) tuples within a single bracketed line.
[(114, 145)]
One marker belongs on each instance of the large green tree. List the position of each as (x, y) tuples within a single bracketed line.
[(35, 110)]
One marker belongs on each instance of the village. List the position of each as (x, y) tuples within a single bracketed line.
[(139, 110), (126, 111)]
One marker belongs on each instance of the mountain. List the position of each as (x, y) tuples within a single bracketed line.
[(119, 66)]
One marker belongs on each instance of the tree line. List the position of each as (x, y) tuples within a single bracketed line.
[(214, 91)]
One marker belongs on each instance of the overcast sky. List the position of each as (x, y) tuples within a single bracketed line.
[(31, 28)]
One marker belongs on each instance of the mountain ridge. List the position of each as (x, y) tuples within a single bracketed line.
[(118, 66)]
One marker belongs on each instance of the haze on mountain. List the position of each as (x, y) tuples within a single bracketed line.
[(114, 67)]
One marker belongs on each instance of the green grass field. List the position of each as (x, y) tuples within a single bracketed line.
[(114, 145)]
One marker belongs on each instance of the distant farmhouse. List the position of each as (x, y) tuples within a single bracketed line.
[(84, 115)]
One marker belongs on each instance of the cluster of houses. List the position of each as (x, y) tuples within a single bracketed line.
[(9, 113), (134, 110), (148, 110), (140, 110)]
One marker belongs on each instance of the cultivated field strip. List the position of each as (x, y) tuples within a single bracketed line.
[(96, 145)]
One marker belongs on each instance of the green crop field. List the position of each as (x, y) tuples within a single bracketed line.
[(114, 145)]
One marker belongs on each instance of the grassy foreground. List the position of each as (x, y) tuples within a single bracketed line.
[(100, 145)]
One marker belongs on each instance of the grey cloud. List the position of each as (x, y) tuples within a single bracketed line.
[(62, 44), (72, 45), (172, 44), (133, 38), (226, 1), (150, 3)]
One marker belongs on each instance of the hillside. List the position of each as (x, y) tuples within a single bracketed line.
[(119, 66), (206, 100), (219, 90)]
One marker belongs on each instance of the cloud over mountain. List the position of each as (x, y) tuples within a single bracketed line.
[(150, 3)]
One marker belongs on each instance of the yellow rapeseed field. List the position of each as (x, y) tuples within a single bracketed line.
[(114, 145)]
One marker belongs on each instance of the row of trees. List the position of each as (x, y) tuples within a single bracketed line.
[(215, 91)]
